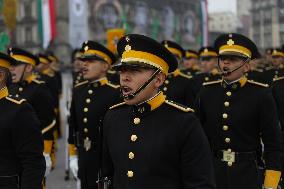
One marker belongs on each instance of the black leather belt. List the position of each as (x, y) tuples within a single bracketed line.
[(239, 156), (8, 180)]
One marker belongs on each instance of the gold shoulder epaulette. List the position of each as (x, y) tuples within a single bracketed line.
[(211, 82), (113, 86), (178, 106), (279, 78), (258, 83), (16, 101), (38, 81), (184, 75), (117, 105), (81, 83)]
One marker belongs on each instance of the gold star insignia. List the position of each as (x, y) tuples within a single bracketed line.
[(127, 48), (127, 39), (206, 50), (230, 42), (86, 48)]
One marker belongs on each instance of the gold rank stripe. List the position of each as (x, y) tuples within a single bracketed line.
[(48, 127), (81, 83), (16, 101), (211, 82), (112, 85), (257, 83), (117, 105), (279, 78), (184, 109)]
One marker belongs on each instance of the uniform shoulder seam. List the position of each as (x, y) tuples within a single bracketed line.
[(211, 82), (38, 81), (278, 79), (258, 83), (178, 106), (81, 83), (113, 86), (186, 76), (15, 101), (117, 105)]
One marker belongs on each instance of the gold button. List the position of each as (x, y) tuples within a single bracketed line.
[(133, 138), (130, 174), (229, 93), (229, 150), (17, 95), (227, 104), (227, 140), (230, 163), (225, 127), (206, 78), (88, 100), (90, 91), (136, 120), (131, 155), (86, 130), (167, 82), (86, 109), (225, 116), (165, 89), (20, 89), (85, 120)]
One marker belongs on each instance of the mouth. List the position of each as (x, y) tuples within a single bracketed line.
[(84, 70), (126, 90), (13, 76)]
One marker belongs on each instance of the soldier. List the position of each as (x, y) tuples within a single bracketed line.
[(236, 114), (275, 70), (190, 62), (36, 93), (21, 161), (278, 93), (208, 63), (77, 67), (178, 86), (150, 142), (91, 99)]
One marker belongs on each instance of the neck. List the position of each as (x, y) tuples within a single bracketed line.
[(233, 81)]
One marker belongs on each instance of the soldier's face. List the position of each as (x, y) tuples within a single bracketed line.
[(188, 63), (237, 65), (277, 60), (17, 72), (94, 69), (131, 79), (208, 64)]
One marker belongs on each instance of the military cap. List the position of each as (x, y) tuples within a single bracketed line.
[(23, 56), (236, 44), (277, 52), (6, 61), (174, 48), (207, 52), (51, 56), (139, 50), (43, 58), (190, 54), (95, 51)]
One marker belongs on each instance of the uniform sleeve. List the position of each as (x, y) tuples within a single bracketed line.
[(271, 138), (45, 110), (28, 143), (196, 158), (72, 128), (107, 167)]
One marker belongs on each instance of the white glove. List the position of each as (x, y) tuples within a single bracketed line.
[(48, 164), (73, 164)]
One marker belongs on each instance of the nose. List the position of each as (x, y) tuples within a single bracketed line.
[(124, 76)]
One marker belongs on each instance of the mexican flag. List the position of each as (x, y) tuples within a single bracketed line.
[(46, 21)]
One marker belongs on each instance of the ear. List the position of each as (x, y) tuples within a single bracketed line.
[(247, 67), (159, 80), (29, 68)]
